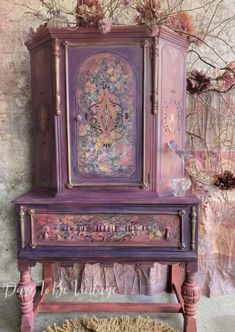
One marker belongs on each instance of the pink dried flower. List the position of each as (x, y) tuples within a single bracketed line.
[(89, 12), (198, 82), (149, 11), (105, 25), (224, 181), (227, 79), (181, 22)]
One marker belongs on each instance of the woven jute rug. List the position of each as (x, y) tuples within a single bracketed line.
[(116, 324)]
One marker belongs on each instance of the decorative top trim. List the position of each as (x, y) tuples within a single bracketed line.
[(44, 33)]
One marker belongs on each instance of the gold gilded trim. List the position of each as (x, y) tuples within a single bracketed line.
[(193, 227), (181, 214), (100, 43), (33, 245), (170, 213), (56, 57), (22, 227), (69, 184), (155, 53), (143, 185), (32, 213)]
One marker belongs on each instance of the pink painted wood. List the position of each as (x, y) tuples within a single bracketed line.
[(26, 291), (110, 307), (170, 122), (191, 295)]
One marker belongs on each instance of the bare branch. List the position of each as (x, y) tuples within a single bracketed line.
[(213, 15), (202, 41), (225, 21), (201, 100), (221, 91), (202, 58), (193, 9), (224, 41)]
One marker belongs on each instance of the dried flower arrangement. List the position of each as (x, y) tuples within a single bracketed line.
[(102, 14)]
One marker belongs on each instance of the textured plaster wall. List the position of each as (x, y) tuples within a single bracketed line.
[(15, 127), (15, 122)]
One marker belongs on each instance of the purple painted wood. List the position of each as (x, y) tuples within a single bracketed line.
[(105, 197)]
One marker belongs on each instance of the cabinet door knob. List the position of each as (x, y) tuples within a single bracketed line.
[(78, 118)]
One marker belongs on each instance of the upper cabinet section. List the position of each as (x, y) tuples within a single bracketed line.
[(115, 102)]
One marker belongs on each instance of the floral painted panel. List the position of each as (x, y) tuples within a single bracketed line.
[(106, 114), (110, 229)]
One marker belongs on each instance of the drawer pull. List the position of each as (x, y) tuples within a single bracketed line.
[(46, 231), (167, 233)]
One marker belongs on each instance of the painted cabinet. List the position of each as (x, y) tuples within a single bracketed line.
[(105, 108)]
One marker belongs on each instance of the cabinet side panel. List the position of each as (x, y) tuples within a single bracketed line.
[(171, 112), (44, 172)]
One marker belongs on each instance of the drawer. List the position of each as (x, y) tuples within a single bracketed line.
[(107, 229)]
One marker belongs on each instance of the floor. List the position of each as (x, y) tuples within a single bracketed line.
[(215, 314)]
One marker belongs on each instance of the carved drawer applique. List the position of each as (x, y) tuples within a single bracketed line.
[(106, 229)]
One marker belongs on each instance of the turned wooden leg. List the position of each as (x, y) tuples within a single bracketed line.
[(191, 295), (26, 291)]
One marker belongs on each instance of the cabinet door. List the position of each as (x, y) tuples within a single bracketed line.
[(105, 98)]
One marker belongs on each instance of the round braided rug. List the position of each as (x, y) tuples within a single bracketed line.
[(115, 324)]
